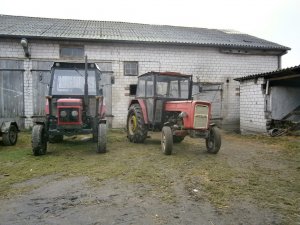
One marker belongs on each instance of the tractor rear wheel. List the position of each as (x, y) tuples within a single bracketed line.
[(38, 140), (177, 139), (101, 143), (136, 128), (11, 137), (213, 141), (166, 140)]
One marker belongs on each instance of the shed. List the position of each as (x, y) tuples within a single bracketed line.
[(29, 46), (270, 100)]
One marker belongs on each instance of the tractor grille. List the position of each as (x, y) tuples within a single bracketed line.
[(201, 116), (68, 115)]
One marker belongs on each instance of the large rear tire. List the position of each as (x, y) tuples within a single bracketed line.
[(101, 143), (136, 127), (11, 137), (213, 141), (38, 140), (166, 140)]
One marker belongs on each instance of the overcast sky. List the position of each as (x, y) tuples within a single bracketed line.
[(273, 20)]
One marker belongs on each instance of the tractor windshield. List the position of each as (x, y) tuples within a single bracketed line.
[(71, 82), (172, 87)]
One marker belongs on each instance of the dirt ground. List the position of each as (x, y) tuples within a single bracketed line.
[(250, 181)]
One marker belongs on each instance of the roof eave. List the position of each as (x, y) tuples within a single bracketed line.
[(276, 73), (282, 49)]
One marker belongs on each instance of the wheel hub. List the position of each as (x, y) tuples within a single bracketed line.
[(132, 124), (12, 136)]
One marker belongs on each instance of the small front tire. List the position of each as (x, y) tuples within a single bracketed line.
[(213, 141), (166, 140), (101, 143), (11, 137), (38, 140)]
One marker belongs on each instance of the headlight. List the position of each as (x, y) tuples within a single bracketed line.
[(63, 113), (74, 113), (182, 115)]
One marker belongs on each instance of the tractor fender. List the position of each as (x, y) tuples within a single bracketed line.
[(5, 126), (143, 107)]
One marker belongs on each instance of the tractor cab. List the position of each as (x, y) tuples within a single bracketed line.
[(156, 88)]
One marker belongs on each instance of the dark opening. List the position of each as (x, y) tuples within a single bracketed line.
[(132, 89)]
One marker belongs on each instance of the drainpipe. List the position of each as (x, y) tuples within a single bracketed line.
[(24, 43), (279, 62)]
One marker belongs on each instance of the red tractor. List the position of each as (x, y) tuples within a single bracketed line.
[(74, 105), (164, 102)]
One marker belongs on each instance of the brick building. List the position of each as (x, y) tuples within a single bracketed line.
[(269, 100), (125, 50)]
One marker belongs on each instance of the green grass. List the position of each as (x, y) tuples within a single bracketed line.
[(265, 171), (79, 158), (270, 178)]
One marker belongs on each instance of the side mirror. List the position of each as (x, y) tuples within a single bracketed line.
[(41, 77), (100, 91)]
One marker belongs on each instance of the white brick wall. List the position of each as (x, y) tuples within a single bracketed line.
[(252, 107), (28, 97), (207, 63)]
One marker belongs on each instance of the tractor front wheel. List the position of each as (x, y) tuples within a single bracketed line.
[(166, 140), (136, 128), (11, 137), (213, 141), (101, 143), (38, 140)]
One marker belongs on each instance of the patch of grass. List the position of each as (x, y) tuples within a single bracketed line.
[(270, 178), (287, 144), (74, 157)]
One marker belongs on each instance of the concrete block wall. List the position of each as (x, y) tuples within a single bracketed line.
[(206, 63), (252, 107)]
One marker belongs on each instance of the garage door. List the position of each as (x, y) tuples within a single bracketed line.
[(12, 90), (40, 81), (212, 92), (106, 78)]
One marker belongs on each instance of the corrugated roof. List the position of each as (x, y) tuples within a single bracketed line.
[(276, 73), (32, 27)]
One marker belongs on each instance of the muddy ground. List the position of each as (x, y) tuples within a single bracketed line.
[(250, 181)]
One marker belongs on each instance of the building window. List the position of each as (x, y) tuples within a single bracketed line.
[(132, 89), (131, 68), (71, 52)]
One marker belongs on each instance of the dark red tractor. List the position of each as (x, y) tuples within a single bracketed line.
[(164, 103), (74, 105)]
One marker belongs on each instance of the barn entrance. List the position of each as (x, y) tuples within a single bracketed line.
[(212, 92), (12, 91)]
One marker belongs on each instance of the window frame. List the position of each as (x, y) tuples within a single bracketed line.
[(61, 56), (131, 69)]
